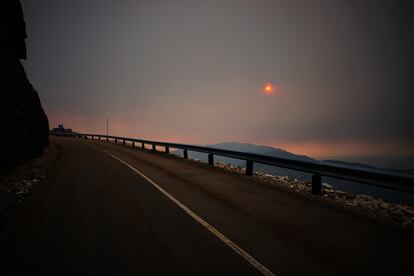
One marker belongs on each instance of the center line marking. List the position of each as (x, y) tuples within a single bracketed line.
[(264, 270)]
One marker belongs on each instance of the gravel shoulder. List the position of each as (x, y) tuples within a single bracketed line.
[(396, 215), (18, 182)]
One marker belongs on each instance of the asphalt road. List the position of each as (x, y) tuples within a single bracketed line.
[(97, 215)]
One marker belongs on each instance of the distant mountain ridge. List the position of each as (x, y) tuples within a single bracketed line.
[(259, 149), (281, 153)]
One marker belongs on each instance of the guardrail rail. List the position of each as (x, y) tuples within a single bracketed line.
[(385, 179)]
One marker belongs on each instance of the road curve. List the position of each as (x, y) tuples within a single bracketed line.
[(96, 215)]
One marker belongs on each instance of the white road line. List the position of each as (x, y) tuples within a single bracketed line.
[(214, 231)]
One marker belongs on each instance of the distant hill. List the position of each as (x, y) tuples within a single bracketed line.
[(348, 164), (343, 185), (265, 150), (251, 148)]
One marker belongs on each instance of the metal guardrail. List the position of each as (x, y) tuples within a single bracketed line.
[(385, 179)]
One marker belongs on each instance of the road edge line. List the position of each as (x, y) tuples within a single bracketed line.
[(256, 264)]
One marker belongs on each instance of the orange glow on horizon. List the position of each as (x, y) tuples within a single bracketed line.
[(345, 148), (317, 149)]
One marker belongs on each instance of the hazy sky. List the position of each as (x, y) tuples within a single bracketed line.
[(193, 71)]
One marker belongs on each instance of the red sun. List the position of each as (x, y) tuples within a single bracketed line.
[(269, 88)]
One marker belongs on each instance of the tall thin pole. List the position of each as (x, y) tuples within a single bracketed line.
[(107, 127)]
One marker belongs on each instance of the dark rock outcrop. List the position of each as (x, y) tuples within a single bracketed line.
[(24, 127)]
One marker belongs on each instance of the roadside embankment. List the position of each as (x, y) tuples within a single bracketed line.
[(17, 182)]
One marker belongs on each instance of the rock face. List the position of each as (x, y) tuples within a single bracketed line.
[(24, 127)]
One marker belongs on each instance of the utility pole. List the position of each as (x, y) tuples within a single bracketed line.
[(107, 127)]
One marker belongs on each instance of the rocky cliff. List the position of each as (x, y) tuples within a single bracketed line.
[(24, 125)]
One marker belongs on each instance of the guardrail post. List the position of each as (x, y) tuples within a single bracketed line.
[(167, 150), (99, 138), (185, 154), (249, 167), (143, 145), (316, 184), (107, 139), (211, 159), (116, 141), (133, 144), (123, 141), (153, 147)]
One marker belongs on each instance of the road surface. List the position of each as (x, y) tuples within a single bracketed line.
[(112, 210)]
